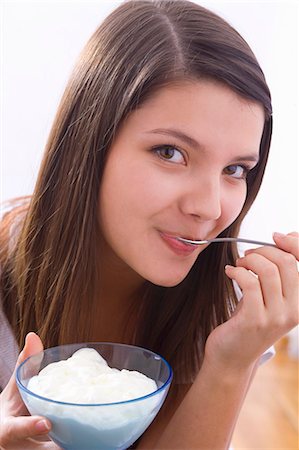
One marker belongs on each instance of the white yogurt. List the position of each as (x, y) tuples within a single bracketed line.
[(85, 378)]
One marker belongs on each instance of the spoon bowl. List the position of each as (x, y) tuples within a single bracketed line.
[(227, 239)]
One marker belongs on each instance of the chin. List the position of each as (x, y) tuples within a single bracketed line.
[(168, 281)]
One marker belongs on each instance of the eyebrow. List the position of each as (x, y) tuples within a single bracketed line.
[(191, 142)]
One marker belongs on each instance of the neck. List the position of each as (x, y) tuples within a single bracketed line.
[(116, 304)]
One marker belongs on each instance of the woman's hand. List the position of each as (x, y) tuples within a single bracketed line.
[(18, 430), (268, 278)]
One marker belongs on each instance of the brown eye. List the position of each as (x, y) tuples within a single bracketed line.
[(167, 152), (170, 153), (236, 171)]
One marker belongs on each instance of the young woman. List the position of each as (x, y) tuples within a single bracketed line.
[(163, 132)]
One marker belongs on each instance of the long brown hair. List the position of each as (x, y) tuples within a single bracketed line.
[(142, 46)]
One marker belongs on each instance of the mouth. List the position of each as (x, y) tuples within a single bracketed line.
[(176, 245)]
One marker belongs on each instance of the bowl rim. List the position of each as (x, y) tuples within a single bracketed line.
[(152, 394)]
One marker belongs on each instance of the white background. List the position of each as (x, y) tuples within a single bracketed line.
[(41, 41)]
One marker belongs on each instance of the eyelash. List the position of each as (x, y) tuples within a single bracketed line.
[(246, 169), (157, 150)]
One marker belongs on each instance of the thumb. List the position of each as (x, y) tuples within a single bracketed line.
[(288, 242), (33, 345)]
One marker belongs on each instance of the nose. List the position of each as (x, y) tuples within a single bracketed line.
[(202, 198)]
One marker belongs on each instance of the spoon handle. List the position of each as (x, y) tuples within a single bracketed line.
[(228, 239), (249, 241)]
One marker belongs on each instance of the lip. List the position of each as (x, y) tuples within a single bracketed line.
[(178, 247)]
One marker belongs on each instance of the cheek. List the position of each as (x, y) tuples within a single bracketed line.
[(232, 204), (130, 192), (139, 189)]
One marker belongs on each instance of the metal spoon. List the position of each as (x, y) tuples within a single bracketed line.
[(228, 239)]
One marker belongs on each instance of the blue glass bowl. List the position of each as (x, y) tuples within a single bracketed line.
[(106, 426)]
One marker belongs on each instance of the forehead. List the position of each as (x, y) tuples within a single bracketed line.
[(199, 94), (206, 110)]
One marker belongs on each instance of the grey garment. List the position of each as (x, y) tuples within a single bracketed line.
[(8, 346), (8, 350)]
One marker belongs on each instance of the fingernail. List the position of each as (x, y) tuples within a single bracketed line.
[(42, 426), (278, 235), (227, 267)]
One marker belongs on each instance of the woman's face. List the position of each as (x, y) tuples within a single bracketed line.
[(177, 168)]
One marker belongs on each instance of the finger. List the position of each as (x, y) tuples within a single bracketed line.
[(268, 276), (288, 242), (16, 429), (33, 345), (250, 286), (288, 270), (256, 311)]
